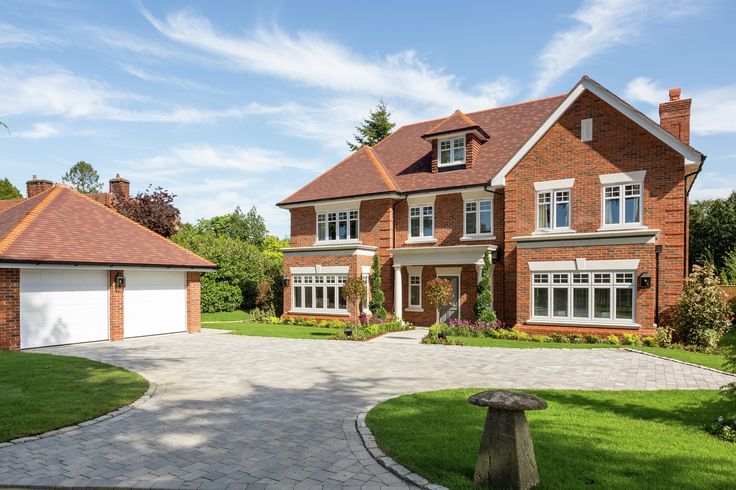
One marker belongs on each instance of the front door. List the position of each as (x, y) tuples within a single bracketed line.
[(452, 312)]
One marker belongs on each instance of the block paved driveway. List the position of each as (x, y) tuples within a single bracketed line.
[(233, 411)]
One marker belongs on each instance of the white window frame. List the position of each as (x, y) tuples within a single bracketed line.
[(622, 206), (351, 215), (418, 277), (421, 216), (453, 146), (478, 233), (586, 129), (325, 281), (553, 212), (590, 285)]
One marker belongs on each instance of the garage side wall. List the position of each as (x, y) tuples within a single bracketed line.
[(10, 309), (194, 308)]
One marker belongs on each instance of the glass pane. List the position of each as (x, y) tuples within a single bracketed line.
[(544, 216), (485, 221), (427, 226), (562, 215), (320, 303), (612, 212), (343, 230), (343, 303), (414, 296), (470, 223), (624, 303), (331, 297), (415, 226), (445, 156), (332, 230), (631, 210), (353, 229), (459, 154), (298, 297), (321, 231), (308, 296), (559, 302), (541, 302), (445, 145), (580, 303), (602, 303)]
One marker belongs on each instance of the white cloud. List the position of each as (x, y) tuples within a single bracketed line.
[(165, 80), (600, 25), (53, 91), (312, 60), (39, 131), (712, 111), (11, 36)]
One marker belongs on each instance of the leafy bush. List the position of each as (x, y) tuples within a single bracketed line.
[(650, 341), (219, 296), (725, 428), (540, 338), (575, 338), (664, 336), (483, 307), (702, 315), (559, 338), (592, 339), (630, 339), (439, 292), (262, 315), (374, 329), (377, 296), (613, 339)]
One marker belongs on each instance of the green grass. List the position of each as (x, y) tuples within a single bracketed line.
[(585, 439), (226, 316), (283, 331), (716, 361), (42, 392)]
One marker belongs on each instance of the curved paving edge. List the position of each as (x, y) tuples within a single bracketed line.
[(733, 375), (401, 471), (153, 388)]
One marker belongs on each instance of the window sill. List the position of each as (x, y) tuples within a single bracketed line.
[(415, 309), (582, 323), (312, 311), (328, 243), (622, 227), (553, 231), (421, 240), (472, 238)]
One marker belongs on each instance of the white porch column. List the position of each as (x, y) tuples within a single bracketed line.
[(398, 292)]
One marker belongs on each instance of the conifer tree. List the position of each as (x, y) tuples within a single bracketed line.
[(377, 297), (484, 304), (376, 127)]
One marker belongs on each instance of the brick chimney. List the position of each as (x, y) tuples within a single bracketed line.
[(674, 116), (36, 186), (120, 187)]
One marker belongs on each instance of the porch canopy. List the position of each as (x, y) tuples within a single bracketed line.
[(450, 255)]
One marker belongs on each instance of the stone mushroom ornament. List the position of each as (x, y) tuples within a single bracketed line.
[(506, 456)]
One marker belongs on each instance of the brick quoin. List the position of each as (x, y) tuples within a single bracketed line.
[(194, 307), (116, 295), (10, 309)]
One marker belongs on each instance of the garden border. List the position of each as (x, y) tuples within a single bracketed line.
[(369, 442), (630, 349), (153, 389)]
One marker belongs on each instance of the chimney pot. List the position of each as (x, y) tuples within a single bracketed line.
[(674, 115), (675, 93), (119, 187), (36, 186)]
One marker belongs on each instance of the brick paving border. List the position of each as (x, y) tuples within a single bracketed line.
[(153, 388), (733, 375)]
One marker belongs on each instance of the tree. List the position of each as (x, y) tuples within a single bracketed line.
[(483, 307), (83, 177), (354, 291), (712, 230), (728, 270), (439, 293), (153, 209), (248, 227), (375, 128), (377, 297), (8, 190)]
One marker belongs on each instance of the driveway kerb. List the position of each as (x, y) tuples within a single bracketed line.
[(733, 375)]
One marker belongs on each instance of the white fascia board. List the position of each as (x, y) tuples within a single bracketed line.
[(551, 185), (584, 265), (475, 194), (420, 199), (335, 206), (623, 177), (340, 202), (10, 265), (450, 255), (320, 269)]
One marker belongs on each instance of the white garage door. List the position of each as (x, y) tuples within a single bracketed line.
[(62, 307), (155, 302)]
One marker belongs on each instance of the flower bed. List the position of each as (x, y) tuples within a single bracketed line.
[(374, 328)]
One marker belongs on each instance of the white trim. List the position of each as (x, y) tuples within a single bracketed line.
[(553, 228), (348, 211), (329, 201), (161, 268), (452, 139), (586, 129), (414, 271), (335, 206), (327, 243), (415, 309), (623, 177), (421, 200), (365, 269), (331, 250), (622, 225), (454, 272), (584, 265), (322, 312), (320, 269), (476, 200), (398, 291), (586, 235), (583, 323), (450, 255), (554, 185), (417, 240), (448, 271), (421, 238), (477, 238), (691, 155), (455, 134), (477, 194)]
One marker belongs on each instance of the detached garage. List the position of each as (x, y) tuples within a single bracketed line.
[(73, 270)]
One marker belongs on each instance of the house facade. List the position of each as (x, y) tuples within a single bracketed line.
[(581, 200)]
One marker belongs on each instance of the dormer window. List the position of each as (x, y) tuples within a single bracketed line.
[(452, 151)]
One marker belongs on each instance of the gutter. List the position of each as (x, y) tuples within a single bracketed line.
[(686, 230)]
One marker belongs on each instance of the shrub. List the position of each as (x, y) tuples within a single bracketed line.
[(483, 307), (219, 295), (439, 292), (592, 339), (374, 330), (650, 341), (725, 428), (630, 339), (575, 338), (613, 339), (540, 338), (354, 291), (702, 315), (262, 315), (664, 336), (559, 338), (377, 296)]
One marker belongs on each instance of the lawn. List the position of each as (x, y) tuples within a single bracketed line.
[(42, 392), (716, 361), (226, 316), (585, 439), (283, 331)]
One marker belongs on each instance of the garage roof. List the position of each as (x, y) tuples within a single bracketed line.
[(62, 226)]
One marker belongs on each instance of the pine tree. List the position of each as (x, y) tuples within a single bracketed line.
[(484, 304), (377, 298), (8, 190), (375, 128), (83, 177)]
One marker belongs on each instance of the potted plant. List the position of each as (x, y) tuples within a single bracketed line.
[(353, 291), (439, 293)]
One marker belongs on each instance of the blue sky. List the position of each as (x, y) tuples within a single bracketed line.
[(235, 103)]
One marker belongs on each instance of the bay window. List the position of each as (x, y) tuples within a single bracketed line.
[(553, 210), (478, 217), (319, 293), (421, 221), (336, 226), (583, 296), (622, 204), (452, 151)]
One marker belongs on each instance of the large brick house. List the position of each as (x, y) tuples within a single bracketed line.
[(581, 199)]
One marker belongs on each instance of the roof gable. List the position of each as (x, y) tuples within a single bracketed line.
[(456, 122), (64, 226)]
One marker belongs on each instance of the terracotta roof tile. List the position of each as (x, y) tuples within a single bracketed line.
[(457, 121), (406, 156), (63, 226), (9, 203)]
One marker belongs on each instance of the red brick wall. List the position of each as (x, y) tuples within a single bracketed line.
[(116, 307), (9, 309), (619, 145), (194, 307), (468, 295)]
